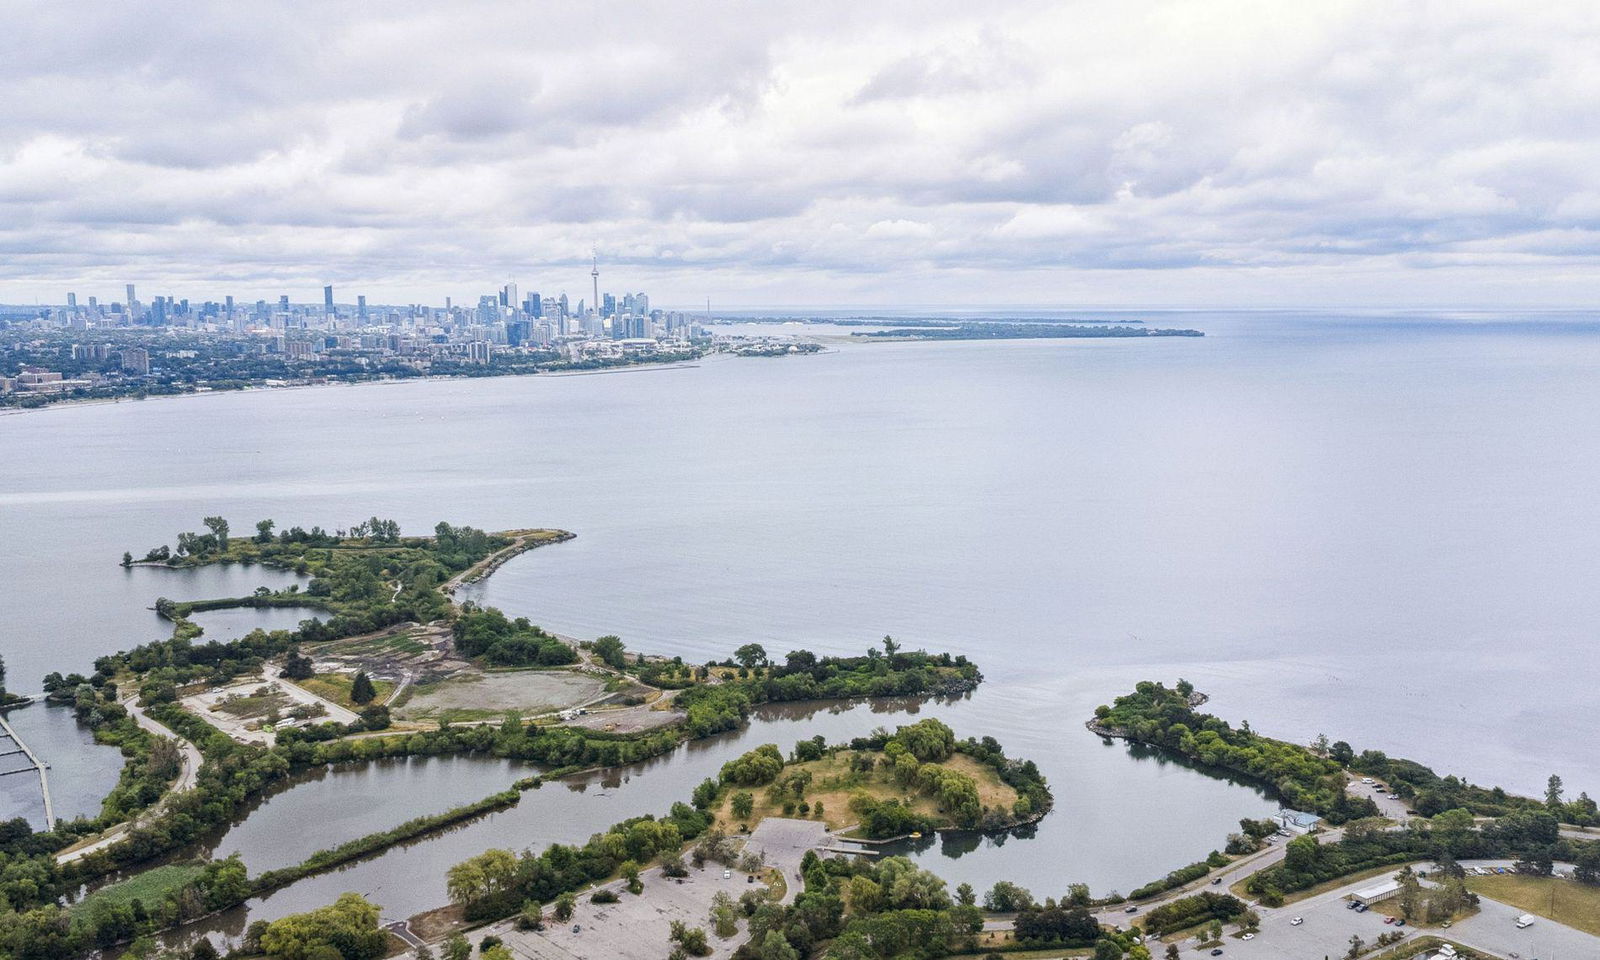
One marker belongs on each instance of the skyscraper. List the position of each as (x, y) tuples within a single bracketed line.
[(327, 299), (130, 296), (595, 274), (361, 307)]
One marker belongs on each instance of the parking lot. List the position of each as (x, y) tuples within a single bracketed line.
[(635, 927), (1328, 924)]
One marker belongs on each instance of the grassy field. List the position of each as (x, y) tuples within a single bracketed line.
[(336, 687), (148, 887), (833, 783), (1563, 901)]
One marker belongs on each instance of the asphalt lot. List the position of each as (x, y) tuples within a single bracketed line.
[(1393, 809), (1328, 926), (783, 844), (635, 927)]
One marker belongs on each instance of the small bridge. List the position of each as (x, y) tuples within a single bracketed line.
[(10, 745)]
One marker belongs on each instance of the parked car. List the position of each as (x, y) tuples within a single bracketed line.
[(1297, 921), (577, 928), (1399, 921), (727, 874), (1216, 881), (1217, 952), (1248, 936), (1388, 920), (1131, 910)]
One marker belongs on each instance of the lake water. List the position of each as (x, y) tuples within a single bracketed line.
[(1160, 815), (1380, 528)]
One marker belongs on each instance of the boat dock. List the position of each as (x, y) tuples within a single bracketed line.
[(10, 745)]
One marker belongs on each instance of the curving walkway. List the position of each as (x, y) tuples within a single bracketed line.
[(189, 761)]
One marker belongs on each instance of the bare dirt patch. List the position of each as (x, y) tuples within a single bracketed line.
[(476, 695)]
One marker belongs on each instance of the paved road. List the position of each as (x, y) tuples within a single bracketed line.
[(1328, 924), (189, 761)]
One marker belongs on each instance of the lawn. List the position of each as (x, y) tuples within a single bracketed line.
[(1563, 901), (336, 687), (147, 887), (833, 783)]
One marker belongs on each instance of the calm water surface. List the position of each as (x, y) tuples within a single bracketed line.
[(1346, 525)]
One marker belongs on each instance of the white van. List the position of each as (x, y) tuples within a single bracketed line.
[(1525, 921)]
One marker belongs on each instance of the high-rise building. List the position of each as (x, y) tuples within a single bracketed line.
[(136, 360), (72, 302), (283, 303), (361, 307), (508, 296), (327, 299), (130, 296), (594, 274)]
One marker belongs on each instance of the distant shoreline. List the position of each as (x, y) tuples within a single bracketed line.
[(387, 381)]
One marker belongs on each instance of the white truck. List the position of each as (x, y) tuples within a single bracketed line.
[(1525, 921)]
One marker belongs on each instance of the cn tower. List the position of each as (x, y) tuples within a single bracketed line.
[(595, 274)]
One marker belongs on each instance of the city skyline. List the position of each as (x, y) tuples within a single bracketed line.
[(1228, 153)]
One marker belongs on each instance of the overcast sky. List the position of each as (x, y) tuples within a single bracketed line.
[(964, 153)]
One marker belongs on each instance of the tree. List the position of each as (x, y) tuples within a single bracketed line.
[(890, 647), (361, 690), (1107, 950), (349, 927), (1341, 753), (564, 906), (1410, 893), (751, 655), (611, 652), (203, 949), (724, 915), (219, 529), (296, 667), (1552, 793), (775, 947), (965, 895), (1357, 948), (457, 948), (263, 531), (127, 561), (743, 805), (1172, 951)]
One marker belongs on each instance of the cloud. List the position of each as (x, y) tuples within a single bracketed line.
[(1241, 149)]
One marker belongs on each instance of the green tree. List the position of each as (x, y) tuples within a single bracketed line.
[(457, 948), (743, 805), (349, 927), (775, 947), (1107, 950), (219, 529), (611, 652), (361, 690), (751, 655), (564, 905), (127, 561), (264, 531), (1552, 793)]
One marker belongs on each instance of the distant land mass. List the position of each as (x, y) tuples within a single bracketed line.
[(1018, 331)]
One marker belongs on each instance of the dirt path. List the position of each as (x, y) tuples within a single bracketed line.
[(189, 761)]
